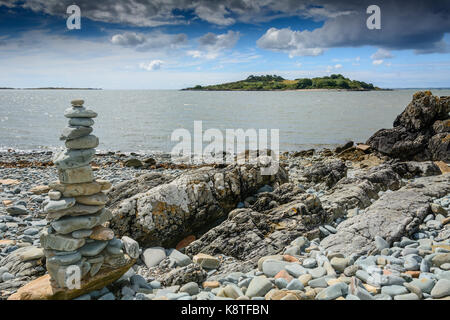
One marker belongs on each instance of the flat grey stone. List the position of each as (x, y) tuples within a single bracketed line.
[(83, 233), (362, 275), (394, 290), (339, 264), (17, 210), (443, 275), (61, 204), (69, 224), (318, 283), (84, 122), (258, 287), (74, 132), (441, 289), (309, 263), (407, 296), (414, 289), (76, 112), (190, 288), (335, 291), (60, 242), (424, 284), (155, 284), (31, 231), (272, 267), (281, 283), (317, 272), (295, 284), (65, 260), (295, 270), (181, 259), (411, 264), (292, 250), (153, 256), (68, 159), (93, 248), (87, 142)]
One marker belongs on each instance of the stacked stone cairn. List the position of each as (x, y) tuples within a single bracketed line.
[(77, 234)]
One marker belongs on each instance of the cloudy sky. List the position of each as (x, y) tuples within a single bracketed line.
[(171, 44)]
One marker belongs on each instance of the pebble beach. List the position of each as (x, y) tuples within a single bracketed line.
[(349, 223)]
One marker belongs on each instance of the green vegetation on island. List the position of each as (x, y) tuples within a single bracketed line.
[(277, 83)]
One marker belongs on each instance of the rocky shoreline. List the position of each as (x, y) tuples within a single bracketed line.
[(352, 223)]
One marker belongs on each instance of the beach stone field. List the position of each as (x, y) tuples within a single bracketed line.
[(363, 221)]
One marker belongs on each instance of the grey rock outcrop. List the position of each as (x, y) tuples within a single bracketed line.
[(420, 133), (190, 204), (137, 185), (249, 235), (358, 189), (328, 172), (394, 215)]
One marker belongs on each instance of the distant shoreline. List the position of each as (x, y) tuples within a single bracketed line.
[(50, 88)]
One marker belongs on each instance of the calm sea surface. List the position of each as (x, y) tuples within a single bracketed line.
[(132, 120)]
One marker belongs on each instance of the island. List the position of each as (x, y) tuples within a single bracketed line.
[(278, 83)]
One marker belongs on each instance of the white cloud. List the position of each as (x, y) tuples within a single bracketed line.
[(377, 62), (286, 40), (197, 54), (128, 39), (217, 42), (382, 54), (215, 15), (152, 65), (333, 68), (211, 45), (194, 53)]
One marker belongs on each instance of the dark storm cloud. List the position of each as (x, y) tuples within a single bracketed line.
[(418, 25), (413, 24)]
